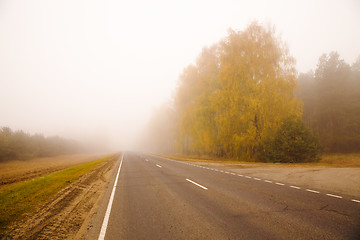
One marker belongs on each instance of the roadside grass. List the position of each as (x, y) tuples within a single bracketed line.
[(330, 160), (24, 197), (349, 159)]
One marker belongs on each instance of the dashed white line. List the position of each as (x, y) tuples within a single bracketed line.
[(332, 195), (240, 175), (108, 210), (313, 191), (205, 188)]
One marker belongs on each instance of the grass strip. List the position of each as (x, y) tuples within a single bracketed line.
[(24, 197)]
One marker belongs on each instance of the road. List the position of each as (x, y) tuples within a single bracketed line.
[(158, 198)]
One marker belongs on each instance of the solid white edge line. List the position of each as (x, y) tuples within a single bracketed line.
[(158, 166), (313, 191), (108, 210), (196, 184), (354, 200), (332, 195)]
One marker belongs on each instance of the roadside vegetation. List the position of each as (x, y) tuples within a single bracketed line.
[(23, 198), (243, 99)]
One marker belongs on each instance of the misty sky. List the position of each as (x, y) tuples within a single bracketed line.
[(94, 70)]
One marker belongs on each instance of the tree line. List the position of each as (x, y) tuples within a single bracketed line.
[(237, 101), (331, 98), (18, 145)]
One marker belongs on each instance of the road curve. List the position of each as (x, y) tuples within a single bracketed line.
[(158, 198)]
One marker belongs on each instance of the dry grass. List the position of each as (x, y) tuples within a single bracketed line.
[(348, 160)]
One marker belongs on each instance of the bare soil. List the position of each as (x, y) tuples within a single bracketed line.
[(68, 214)]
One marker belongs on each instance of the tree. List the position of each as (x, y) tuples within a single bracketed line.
[(292, 143), (236, 94), (197, 130), (331, 97), (19, 145), (257, 80)]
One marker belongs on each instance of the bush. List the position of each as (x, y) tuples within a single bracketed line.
[(292, 143)]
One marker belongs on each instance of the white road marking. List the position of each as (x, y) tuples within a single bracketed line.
[(258, 179), (332, 195), (108, 210), (310, 190), (196, 184), (158, 166), (146, 159)]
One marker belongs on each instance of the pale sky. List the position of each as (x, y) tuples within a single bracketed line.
[(96, 69)]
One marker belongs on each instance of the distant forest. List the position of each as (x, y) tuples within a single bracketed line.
[(18, 145), (331, 98), (244, 99)]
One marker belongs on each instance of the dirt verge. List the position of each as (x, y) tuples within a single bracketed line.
[(67, 215)]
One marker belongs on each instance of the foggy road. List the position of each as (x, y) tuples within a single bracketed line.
[(158, 198)]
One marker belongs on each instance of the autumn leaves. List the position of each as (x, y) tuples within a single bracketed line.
[(236, 95)]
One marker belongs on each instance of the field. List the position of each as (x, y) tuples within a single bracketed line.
[(54, 204), (17, 171)]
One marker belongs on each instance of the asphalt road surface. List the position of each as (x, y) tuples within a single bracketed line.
[(158, 198)]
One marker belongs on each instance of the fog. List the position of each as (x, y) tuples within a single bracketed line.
[(94, 71)]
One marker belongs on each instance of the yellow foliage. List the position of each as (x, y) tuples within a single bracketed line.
[(236, 95)]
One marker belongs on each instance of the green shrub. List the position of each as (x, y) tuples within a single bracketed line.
[(292, 143)]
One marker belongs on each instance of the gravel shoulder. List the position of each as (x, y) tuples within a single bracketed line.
[(341, 180)]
